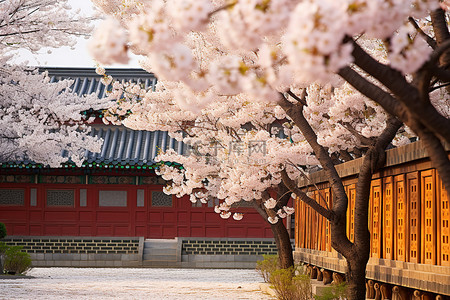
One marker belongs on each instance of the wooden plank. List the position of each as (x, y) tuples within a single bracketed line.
[(388, 218), (327, 223), (351, 194), (401, 224), (428, 187), (444, 227), (413, 195), (375, 224)]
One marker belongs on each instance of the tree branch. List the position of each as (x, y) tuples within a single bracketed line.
[(295, 112), (404, 92), (291, 185), (430, 41), (373, 92)]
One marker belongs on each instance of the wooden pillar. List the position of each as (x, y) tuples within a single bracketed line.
[(338, 278), (370, 291), (351, 194), (400, 293), (327, 277), (444, 226), (388, 218), (413, 195), (386, 291), (375, 224), (319, 274), (376, 286), (401, 219), (428, 217), (314, 272)]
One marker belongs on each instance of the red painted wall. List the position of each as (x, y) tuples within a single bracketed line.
[(180, 220)]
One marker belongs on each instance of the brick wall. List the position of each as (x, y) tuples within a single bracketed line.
[(228, 247), (75, 245)]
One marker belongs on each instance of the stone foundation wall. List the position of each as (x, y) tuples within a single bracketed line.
[(228, 247), (422, 277), (81, 251), (128, 251)]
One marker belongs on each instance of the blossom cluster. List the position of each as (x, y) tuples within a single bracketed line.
[(42, 120), (223, 68)]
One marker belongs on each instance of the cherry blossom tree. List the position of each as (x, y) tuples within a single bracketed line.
[(346, 75), (39, 120)]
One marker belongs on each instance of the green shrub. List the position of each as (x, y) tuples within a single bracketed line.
[(16, 261), (2, 231), (334, 292), (267, 266), (288, 286), (3, 248)]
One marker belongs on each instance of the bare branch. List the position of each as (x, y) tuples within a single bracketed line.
[(430, 41), (295, 112), (291, 185)]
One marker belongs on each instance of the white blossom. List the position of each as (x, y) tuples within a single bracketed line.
[(225, 215), (270, 203), (273, 220), (238, 216), (289, 210)]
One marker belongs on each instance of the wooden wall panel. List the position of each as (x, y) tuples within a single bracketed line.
[(308, 227), (320, 234), (388, 218), (401, 220), (297, 223), (444, 230), (428, 187), (375, 224), (351, 194), (413, 194), (327, 194)]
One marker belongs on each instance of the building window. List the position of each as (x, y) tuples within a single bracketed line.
[(159, 199), (12, 197), (140, 198), (33, 197), (83, 197), (60, 197), (112, 198)]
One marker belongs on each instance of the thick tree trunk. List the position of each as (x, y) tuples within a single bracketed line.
[(283, 243), (356, 278), (279, 231)]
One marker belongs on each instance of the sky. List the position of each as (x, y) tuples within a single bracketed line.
[(65, 56)]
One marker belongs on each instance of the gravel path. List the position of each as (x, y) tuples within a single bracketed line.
[(104, 283)]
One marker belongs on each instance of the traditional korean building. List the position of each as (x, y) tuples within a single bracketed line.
[(409, 216), (115, 193)]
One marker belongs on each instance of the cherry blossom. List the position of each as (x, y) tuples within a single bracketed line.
[(40, 120), (272, 220), (319, 82)]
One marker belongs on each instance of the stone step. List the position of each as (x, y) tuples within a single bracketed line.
[(160, 251), (161, 244), (163, 257)]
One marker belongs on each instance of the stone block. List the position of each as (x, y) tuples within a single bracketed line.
[(75, 263), (117, 263), (100, 263), (129, 257), (49, 263), (38, 256), (85, 263)]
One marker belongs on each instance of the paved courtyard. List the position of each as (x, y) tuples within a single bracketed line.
[(102, 283)]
